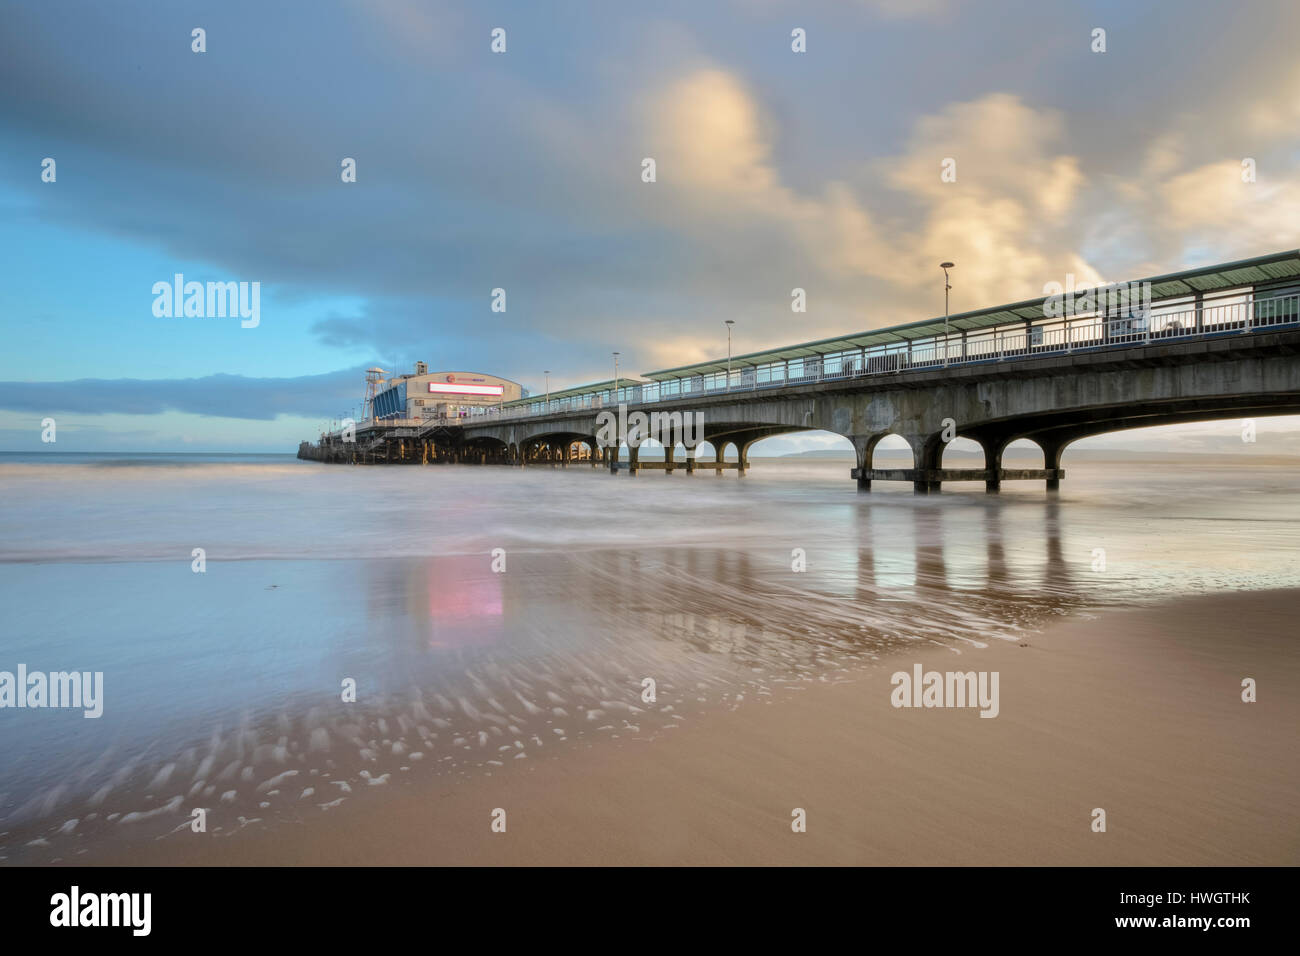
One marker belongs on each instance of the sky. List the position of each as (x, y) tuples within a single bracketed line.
[(522, 170)]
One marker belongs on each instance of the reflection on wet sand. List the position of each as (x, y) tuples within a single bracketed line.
[(1056, 569), (950, 558), (485, 667), (931, 570)]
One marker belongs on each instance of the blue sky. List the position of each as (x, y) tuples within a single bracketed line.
[(521, 170)]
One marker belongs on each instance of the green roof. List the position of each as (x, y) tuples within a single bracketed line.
[(1280, 265), (623, 381)]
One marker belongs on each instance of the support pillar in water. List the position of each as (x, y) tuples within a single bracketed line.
[(1052, 451)]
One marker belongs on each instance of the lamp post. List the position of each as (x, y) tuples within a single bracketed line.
[(547, 373), (616, 377), (945, 266), (729, 323)]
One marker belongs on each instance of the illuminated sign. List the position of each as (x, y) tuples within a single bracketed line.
[(438, 388)]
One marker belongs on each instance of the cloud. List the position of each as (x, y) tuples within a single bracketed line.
[(522, 171), (708, 128), (885, 9), (1006, 219), (416, 28), (224, 396), (1212, 202), (903, 9)]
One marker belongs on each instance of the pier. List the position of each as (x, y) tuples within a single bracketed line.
[(1219, 342)]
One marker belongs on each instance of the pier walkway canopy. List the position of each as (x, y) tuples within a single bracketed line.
[(593, 395)]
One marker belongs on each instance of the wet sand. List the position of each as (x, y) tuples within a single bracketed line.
[(1138, 712)]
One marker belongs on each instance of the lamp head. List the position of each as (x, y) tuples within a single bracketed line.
[(945, 265)]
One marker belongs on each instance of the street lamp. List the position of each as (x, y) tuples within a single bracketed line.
[(615, 376), (729, 323), (945, 266), (547, 373)]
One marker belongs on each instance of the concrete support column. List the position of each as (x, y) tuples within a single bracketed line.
[(633, 460), (669, 452), (993, 448), (927, 453), (611, 457), (1052, 451), (864, 446)]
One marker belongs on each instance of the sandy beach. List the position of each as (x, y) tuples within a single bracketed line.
[(1138, 712)]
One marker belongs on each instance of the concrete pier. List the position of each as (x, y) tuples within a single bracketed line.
[(995, 376)]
